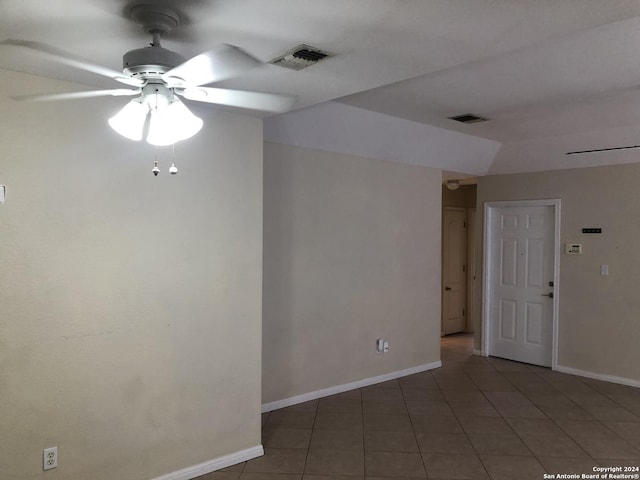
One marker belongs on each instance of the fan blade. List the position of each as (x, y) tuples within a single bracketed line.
[(60, 56), (268, 102), (218, 64), (119, 92)]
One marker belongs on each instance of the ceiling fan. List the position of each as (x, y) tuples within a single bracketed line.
[(158, 77)]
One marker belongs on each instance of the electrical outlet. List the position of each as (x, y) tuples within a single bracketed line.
[(50, 458)]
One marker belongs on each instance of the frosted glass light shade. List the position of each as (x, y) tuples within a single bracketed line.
[(129, 122), (172, 123)]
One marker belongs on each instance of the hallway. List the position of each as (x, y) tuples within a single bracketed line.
[(474, 418)]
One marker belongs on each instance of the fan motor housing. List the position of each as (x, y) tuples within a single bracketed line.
[(150, 62)]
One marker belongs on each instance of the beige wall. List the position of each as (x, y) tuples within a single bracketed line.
[(599, 331), (351, 254), (130, 330)]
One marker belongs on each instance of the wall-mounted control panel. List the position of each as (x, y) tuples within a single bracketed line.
[(573, 248)]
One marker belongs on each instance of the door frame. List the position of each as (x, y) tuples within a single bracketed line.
[(489, 210)]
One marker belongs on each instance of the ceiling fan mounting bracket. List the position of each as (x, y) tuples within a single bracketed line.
[(155, 19), (151, 62)]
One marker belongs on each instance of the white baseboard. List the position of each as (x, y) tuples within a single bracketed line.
[(476, 352), (215, 464), (598, 376), (325, 392)]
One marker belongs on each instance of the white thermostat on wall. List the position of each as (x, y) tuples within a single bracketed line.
[(573, 248)]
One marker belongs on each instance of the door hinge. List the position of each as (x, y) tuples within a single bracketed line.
[(464, 224), (464, 269), (463, 312)]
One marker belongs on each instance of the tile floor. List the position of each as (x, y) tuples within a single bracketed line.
[(474, 418)]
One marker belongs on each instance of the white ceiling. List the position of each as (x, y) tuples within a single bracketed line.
[(548, 73)]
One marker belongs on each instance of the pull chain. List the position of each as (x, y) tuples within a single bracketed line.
[(173, 170)]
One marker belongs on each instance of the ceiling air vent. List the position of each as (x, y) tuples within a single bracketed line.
[(300, 57), (468, 118)]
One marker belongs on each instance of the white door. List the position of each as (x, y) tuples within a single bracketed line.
[(521, 250), (454, 275)]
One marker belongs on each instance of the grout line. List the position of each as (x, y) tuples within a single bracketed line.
[(313, 427)]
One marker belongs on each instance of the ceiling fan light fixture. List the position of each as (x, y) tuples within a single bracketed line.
[(129, 121), (172, 123), (453, 184)]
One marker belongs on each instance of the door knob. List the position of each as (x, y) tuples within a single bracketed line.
[(550, 294), (447, 288)]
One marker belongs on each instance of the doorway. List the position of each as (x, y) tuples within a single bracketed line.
[(454, 270), (458, 265), (521, 253)]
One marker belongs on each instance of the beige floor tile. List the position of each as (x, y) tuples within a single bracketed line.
[(485, 425), (495, 385), (418, 380), (335, 462), (562, 412), (510, 467), (498, 444), (428, 407), (381, 394), (389, 407), (286, 437), (591, 399), (502, 365), (472, 416), (445, 466), (514, 405), (387, 423), (337, 440), (627, 430), (435, 424), (628, 400), (456, 384), (464, 395), (270, 476), (290, 419), (428, 394), (597, 440), (340, 405), (534, 426), (278, 460), (612, 414), (338, 421), (394, 464), (471, 409), (556, 445), (381, 441), (634, 442), (444, 443)]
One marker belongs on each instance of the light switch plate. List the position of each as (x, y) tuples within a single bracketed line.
[(2, 188)]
